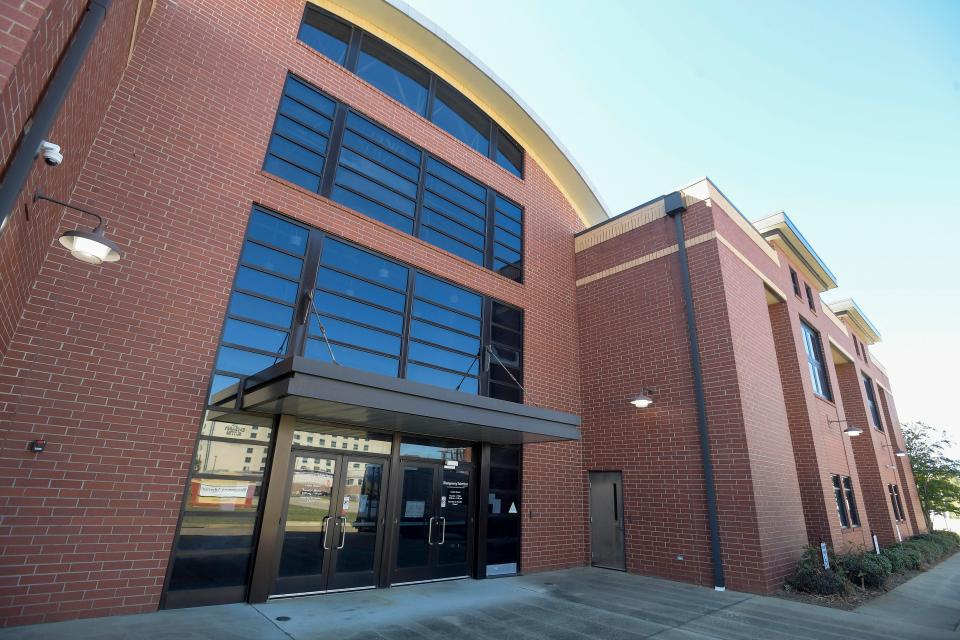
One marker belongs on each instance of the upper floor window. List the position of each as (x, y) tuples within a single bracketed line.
[(324, 147), (816, 362), (872, 402), (795, 280), (810, 302), (367, 312), (410, 84)]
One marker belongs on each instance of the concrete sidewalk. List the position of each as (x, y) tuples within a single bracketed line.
[(932, 599), (564, 605)]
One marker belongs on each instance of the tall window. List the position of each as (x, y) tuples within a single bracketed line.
[(810, 302), (410, 84), (872, 402), (895, 503), (841, 501), (851, 501), (815, 361), (377, 315), (846, 501), (376, 172), (795, 280)]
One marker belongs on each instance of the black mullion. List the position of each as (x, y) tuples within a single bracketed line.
[(444, 348), (492, 136), (367, 196), (457, 205), (431, 95), (281, 114), (322, 154), (381, 184), (431, 365), (483, 387), (267, 325), (357, 323), (359, 347), (262, 296), (446, 308), (360, 134), (266, 270), (202, 553), (355, 299), (360, 277), (353, 49), (262, 352), (454, 238), (344, 145), (518, 236), (453, 186), (264, 243), (408, 305), (491, 226), (333, 149), (226, 515), (448, 216)]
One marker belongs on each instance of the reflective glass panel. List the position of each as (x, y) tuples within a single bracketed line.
[(325, 34), (461, 118), (230, 458), (393, 73)]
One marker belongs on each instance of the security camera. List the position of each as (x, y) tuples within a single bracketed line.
[(51, 153)]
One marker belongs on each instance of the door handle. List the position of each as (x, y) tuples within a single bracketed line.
[(326, 529), (443, 531), (430, 532), (343, 532)]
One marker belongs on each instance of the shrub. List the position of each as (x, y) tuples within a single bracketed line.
[(869, 569), (930, 551), (912, 557), (896, 555), (811, 577)]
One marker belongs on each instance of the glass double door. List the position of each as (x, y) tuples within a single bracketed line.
[(333, 525), (434, 524)]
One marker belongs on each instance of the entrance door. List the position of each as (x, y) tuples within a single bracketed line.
[(332, 528), (606, 520), (434, 523)]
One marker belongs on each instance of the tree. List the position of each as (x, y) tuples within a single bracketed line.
[(937, 475)]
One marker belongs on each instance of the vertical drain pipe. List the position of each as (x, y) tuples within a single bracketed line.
[(21, 161), (673, 203)]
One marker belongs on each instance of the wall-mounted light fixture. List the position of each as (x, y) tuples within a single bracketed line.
[(91, 247), (851, 430), (897, 451), (644, 399)]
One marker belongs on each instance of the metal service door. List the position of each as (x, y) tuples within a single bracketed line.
[(606, 520)]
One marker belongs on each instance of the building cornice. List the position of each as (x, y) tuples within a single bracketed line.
[(851, 312), (780, 231)]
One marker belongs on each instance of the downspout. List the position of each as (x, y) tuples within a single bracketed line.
[(673, 203), (49, 106)]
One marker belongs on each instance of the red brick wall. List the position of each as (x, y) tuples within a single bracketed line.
[(633, 335), (111, 363), (871, 456), (33, 35)]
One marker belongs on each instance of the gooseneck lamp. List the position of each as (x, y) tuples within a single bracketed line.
[(91, 247)]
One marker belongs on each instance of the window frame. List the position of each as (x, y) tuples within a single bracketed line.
[(494, 132), (303, 317), (896, 503), (810, 303), (873, 407), (851, 501), (841, 501), (344, 123), (795, 280), (816, 361)]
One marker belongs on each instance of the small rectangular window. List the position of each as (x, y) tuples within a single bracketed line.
[(841, 502), (816, 362), (895, 503), (856, 345), (851, 501), (810, 302), (796, 283)]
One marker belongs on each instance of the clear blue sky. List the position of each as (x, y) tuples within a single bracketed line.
[(846, 115)]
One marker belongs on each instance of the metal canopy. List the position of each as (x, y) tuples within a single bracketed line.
[(318, 390)]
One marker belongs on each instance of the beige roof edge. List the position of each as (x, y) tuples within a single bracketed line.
[(849, 309), (779, 228), (410, 31)]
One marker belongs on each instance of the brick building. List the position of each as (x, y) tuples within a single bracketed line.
[(372, 326)]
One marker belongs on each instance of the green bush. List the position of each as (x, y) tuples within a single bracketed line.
[(869, 569), (811, 577), (930, 551), (896, 555), (912, 557)]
